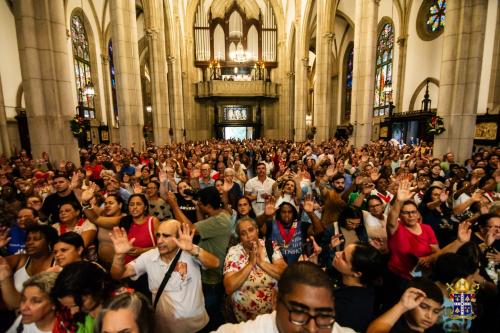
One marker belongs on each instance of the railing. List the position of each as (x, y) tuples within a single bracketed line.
[(218, 88)]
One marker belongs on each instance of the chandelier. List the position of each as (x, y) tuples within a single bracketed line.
[(240, 55)]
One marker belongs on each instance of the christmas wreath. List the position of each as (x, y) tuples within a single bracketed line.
[(77, 125), (435, 125)]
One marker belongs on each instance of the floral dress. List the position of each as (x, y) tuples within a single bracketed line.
[(254, 297)]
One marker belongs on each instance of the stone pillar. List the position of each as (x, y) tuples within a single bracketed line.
[(365, 42), (43, 53), (291, 109), (322, 86), (403, 47), (108, 100), (175, 62), (155, 34), (301, 92), (127, 69), (460, 75), (5, 147)]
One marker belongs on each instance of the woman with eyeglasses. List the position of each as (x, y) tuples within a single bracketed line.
[(375, 222), (413, 245)]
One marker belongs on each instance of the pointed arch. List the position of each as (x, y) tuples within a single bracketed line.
[(384, 67)]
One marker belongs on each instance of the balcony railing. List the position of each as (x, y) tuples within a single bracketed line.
[(220, 88)]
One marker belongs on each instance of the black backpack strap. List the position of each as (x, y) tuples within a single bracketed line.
[(166, 278)]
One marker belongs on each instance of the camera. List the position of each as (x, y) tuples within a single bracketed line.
[(192, 193)]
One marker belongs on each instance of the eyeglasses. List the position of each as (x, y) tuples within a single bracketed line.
[(158, 234), (411, 212), (301, 317)]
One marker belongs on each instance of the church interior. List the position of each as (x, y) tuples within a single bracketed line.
[(129, 71)]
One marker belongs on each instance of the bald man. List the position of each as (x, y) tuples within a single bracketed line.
[(181, 306)]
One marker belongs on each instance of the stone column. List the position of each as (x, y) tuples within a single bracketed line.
[(291, 109), (155, 34), (175, 62), (403, 47), (107, 99), (322, 86), (127, 71), (4, 134), (301, 91), (461, 61), (365, 42), (43, 53)]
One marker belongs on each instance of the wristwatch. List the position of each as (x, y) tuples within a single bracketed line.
[(195, 252)]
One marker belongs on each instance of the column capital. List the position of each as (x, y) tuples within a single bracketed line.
[(305, 61), (104, 59), (291, 75), (377, 2), (68, 34), (152, 33), (402, 40), (170, 59), (329, 36)]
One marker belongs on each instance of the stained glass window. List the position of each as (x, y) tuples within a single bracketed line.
[(383, 71), (81, 64), (436, 16), (348, 82), (113, 81)]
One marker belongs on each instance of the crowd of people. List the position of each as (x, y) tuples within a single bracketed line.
[(249, 236)]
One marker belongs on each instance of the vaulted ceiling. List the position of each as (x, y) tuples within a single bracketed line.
[(252, 8)]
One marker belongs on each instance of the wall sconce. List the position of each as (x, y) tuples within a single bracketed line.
[(149, 109)]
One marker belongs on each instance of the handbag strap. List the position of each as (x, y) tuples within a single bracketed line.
[(166, 278)]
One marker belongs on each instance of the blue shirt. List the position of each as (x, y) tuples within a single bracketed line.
[(17, 240)]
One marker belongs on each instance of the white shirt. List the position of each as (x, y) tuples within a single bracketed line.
[(375, 228), (181, 307), (266, 323), (27, 328), (255, 187)]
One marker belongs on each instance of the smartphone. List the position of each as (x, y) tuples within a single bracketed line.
[(308, 248)]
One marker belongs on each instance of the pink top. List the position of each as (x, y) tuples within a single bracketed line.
[(143, 234), (407, 247)]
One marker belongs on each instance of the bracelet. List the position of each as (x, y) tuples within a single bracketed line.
[(86, 206), (197, 250)]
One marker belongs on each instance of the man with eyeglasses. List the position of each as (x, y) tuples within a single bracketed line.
[(181, 306), (304, 303)]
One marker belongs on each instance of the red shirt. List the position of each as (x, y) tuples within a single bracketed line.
[(143, 234), (407, 247)]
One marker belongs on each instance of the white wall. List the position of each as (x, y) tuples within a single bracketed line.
[(10, 67), (423, 60), (489, 43)]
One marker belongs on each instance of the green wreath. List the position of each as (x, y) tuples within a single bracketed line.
[(435, 125), (76, 125)]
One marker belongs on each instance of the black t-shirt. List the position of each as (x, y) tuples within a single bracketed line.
[(52, 203), (187, 207), (355, 307)]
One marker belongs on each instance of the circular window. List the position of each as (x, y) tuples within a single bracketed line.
[(431, 19)]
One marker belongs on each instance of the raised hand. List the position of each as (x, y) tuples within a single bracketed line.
[(270, 207), (336, 240), (171, 199), (404, 191), (121, 243), (74, 181), (185, 239), (260, 252), (464, 232), (88, 194), (253, 255), (309, 203), (411, 298), (162, 176), (4, 236), (331, 171), (137, 188), (5, 270), (443, 197)]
